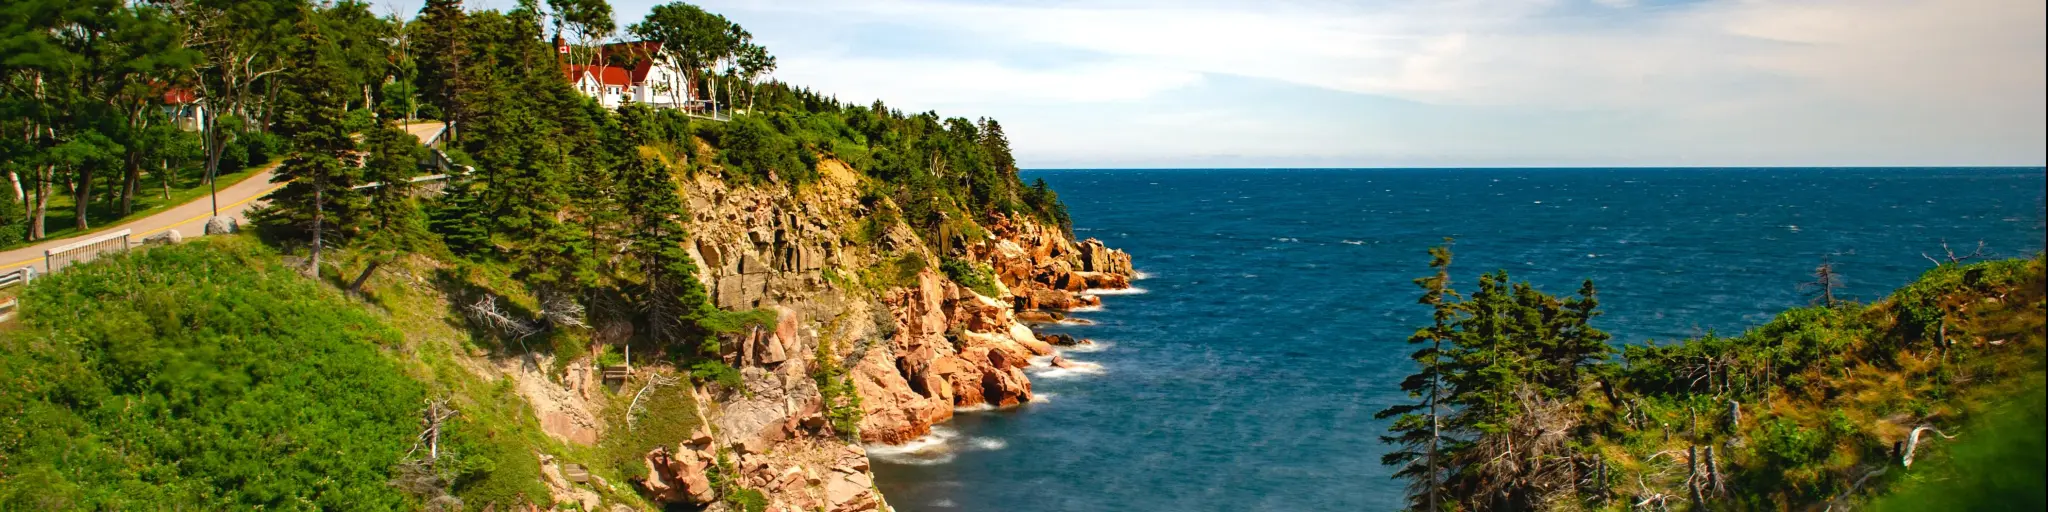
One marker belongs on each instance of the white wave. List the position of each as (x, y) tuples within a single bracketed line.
[(932, 449), (987, 444), (1039, 398), (944, 503), (1097, 346), (1115, 291), (1353, 242), (1140, 275), (1086, 309), (1074, 369), (980, 407)]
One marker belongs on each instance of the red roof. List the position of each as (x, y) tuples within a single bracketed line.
[(606, 75), (179, 96), (638, 55)]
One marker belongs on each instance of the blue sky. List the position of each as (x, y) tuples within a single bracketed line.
[(1288, 83)]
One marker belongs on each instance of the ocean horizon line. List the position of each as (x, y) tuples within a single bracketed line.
[(1556, 168)]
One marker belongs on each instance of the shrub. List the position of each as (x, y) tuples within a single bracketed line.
[(972, 275), (712, 370), (203, 375)]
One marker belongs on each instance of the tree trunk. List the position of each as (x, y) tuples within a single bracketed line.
[(14, 178), (42, 208), (319, 216), (130, 183), (81, 194), (356, 287)]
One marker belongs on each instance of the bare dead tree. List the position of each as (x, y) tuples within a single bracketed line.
[(1913, 441), (1714, 482), (436, 412), (1824, 283), (421, 476), (562, 311), (1951, 254), (485, 312)]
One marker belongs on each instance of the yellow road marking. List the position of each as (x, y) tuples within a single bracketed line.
[(258, 195)]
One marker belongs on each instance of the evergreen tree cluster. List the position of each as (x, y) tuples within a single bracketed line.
[(1519, 403), (1495, 367)]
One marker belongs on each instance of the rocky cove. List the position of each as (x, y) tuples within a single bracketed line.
[(914, 350)]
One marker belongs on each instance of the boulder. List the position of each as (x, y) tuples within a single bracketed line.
[(1039, 317), (222, 226), (1061, 340), (168, 236), (679, 477)]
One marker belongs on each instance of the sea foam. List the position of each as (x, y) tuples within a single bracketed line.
[(1115, 291), (931, 449)]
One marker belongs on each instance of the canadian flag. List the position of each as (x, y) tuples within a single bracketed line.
[(562, 49)]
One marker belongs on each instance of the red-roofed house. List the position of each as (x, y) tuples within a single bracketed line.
[(185, 108), (611, 85), (633, 72)]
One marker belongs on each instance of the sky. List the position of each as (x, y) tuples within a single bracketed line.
[(1436, 83)]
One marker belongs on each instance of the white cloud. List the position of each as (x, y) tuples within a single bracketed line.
[(1741, 81), (943, 82)]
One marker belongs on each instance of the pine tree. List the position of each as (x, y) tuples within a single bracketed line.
[(1417, 428), (442, 48), (672, 298), (1580, 344), (321, 169), (391, 224)]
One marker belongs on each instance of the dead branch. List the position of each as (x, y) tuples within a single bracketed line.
[(653, 380), (431, 418), (485, 311), (562, 310), (1951, 254), (1913, 441), (1838, 501)]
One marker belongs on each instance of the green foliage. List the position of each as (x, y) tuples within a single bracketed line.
[(666, 417), (835, 386), (894, 272), (201, 375), (735, 322), (1997, 464), (608, 356), (715, 371), (748, 500), (755, 151), (974, 276)]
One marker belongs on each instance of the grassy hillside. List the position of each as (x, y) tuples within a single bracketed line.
[(204, 374)]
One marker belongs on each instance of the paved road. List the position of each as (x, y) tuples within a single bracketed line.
[(189, 218)]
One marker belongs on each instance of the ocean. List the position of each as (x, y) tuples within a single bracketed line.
[(1243, 371)]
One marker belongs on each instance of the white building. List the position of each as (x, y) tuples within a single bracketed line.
[(633, 73)]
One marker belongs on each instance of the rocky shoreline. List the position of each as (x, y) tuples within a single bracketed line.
[(912, 353)]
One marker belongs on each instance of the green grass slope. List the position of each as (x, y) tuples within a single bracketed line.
[(205, 375)]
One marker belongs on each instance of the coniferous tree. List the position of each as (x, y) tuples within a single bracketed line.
[(1417, 429), (440, 41), (321, 169), (391, 224), (672, 297)]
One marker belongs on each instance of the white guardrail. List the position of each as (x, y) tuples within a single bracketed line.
[(85, 250)]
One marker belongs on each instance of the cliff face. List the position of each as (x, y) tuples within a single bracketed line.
[(913, 349)]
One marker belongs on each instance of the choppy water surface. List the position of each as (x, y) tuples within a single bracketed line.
[(1245, 372)]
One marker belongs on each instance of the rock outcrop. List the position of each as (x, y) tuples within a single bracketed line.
[(912, 353), (682, 475), (1043, 270)]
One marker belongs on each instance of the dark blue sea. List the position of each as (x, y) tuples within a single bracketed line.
[(1272, 320)]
